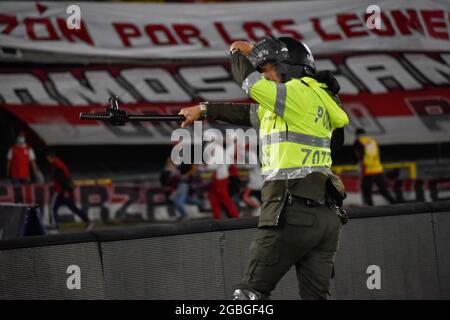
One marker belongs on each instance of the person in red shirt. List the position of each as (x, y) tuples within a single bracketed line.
[(64, 191), (19, 158)]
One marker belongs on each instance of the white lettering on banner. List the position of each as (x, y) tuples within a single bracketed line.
[(433, 111), (436, 72), (155, 31), (23, 88), (412, 86), (372, 70), (95, 88), (377, 72), (346, 85), (360, 117), (74, 279), (155, 85), (212, 83)]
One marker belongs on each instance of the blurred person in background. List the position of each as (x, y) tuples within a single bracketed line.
[(19, 158), (234, 180), (168, 180), (219, 192), (182, 194), (367, 154), (63, 185), (255, 181), (234, 184)]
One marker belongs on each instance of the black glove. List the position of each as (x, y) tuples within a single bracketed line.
[(328, 78)]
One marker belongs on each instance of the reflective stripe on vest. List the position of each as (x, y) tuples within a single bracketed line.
[(280, 101), (293, 173), (252, 78), (295, 137)]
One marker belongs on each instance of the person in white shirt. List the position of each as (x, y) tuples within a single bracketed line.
[(219, 194)]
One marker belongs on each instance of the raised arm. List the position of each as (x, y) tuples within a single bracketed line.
[(235, 113)]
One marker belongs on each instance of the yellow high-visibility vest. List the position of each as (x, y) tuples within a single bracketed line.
[(296, 120), (371, 163)]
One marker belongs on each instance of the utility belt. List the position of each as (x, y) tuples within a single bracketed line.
[(329, 202), (290, 200)]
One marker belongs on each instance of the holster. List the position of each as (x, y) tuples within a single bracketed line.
[(334, 197), (335, 192)]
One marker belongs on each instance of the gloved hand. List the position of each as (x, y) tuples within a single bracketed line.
[(328, 78)]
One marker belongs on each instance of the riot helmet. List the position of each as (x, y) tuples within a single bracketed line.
[(291, 58)]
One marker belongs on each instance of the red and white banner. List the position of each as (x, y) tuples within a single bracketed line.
[(397, 97), (395, 80), (206, 30)]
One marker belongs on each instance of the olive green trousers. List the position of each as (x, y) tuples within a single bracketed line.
[(307, 238)]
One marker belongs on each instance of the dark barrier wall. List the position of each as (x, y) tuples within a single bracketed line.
[(12, 221), (410, 244), (17, 221), (40, 272)]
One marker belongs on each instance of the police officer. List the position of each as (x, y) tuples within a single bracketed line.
[(296, 115)]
